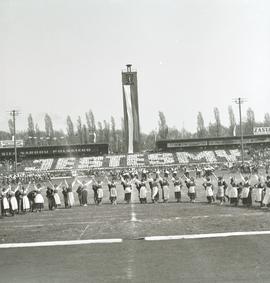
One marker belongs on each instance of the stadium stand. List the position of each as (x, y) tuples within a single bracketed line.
[(132, 160)]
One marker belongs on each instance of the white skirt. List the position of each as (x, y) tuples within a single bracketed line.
[(25, 203), (128, 190), (177, 189), (39, 198), (191, 190), (266, 196), (220, 192), (57, 199), (155, 192), (13, 203), (166, 192), (100, 193), (209, 191), (258, 194), (113, 192), (233, 192), (5, 203), (143, 192), (245, 192), (70, 198)]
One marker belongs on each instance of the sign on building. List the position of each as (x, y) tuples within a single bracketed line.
[(261, 130), (10, 143)]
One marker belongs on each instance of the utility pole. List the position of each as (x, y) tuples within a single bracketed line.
[(240, 101), (14, 113)]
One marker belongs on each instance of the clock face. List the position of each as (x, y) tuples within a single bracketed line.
[(129, 78)]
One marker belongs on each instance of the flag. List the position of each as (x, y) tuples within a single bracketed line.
[(128, 106), (234, 131)]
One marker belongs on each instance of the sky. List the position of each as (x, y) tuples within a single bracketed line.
[(64, 57)]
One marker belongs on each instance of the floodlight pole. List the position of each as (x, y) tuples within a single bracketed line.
[(239, 101)]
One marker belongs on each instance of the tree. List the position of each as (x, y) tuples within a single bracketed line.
[(48, 126), (149, 141), (174, 133), (90, 121), (162, 126), (266, 121), (11, 127), (217, 122), (232, 124), (38, 133), (250, 122), (201, 130), (70, 129), (113, 135), (31, 129), (106, 131), (100, 136), (79, 129), (84, 134)]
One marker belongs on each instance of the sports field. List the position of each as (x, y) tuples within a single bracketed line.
[(123, 254)]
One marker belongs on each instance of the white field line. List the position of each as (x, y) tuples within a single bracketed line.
[(83, 231), (60, 243), (205, 236)]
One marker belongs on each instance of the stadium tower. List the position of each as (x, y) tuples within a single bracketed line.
[(131, 110)]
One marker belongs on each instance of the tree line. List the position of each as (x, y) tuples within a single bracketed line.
[(88, 130)]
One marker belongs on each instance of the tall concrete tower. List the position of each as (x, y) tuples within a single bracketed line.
[(131, 110)]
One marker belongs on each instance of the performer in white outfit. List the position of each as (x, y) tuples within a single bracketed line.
[(112, 190), (127, 185), (233, 192), (259, 189), (70, 194), (13, 201), (209, 190), (25, 201), (266, 199), (5, 203), (84, 191), (56, 196), (39, 200), (246, 191)]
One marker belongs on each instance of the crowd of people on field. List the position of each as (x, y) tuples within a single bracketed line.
[(19, 197)]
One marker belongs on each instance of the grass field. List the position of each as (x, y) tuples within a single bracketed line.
[(224, 259)]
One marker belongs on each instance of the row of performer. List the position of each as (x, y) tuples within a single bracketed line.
[(20, 198)]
